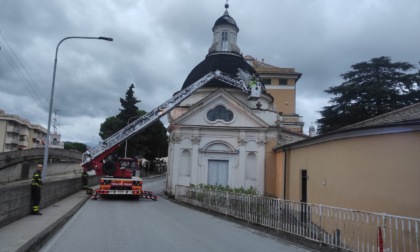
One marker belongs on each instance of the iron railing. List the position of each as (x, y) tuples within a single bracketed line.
[(338, 227)]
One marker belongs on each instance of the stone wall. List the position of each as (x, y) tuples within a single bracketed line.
[(25, 170), (15, 198)]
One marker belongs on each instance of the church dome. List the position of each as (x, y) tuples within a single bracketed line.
[(226, 63), (223, 55)]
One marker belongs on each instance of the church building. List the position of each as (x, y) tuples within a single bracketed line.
[(217, 135)]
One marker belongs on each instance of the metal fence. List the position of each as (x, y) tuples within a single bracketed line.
[(338, 227)]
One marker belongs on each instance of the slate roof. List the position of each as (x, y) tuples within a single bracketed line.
[(262, 67), (225, 20), (407, 114), (228, 63)]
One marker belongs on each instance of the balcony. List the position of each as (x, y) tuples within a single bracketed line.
[(24, 132), (10, 140), (23, 143), (9, 148), (13, 129)]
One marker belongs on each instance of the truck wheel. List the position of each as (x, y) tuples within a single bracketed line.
[(109, 168)]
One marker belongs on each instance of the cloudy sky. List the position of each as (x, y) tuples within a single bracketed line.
[(158, 42)]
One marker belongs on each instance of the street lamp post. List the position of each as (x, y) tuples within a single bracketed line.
[(128, 122), (47, 143)]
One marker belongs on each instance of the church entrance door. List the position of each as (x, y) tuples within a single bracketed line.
[(218, 172)]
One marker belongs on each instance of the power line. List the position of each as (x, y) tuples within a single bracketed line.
[(33, 88), (24, 68)]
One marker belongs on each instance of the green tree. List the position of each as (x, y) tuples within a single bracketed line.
[(156, 140), (75, 146), (129, 108), (150, 143), (372, 88)]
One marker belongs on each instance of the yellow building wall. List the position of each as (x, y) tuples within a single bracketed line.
[(284, 100), (270, 169), (374, 173), (280, 175)]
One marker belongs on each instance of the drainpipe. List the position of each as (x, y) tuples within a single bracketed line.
[(284, 175)]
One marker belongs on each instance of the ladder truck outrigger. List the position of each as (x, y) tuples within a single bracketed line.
[(117, 173)]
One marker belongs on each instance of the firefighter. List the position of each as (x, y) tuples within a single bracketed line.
[(36, 190), (85, 179), (253, 82)]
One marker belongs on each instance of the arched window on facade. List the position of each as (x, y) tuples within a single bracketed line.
[(185, 168), (251, 170), (220, 112)]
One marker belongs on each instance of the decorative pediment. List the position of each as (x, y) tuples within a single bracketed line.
[(220, 109)]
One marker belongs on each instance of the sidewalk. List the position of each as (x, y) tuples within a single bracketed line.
[(32, 232)]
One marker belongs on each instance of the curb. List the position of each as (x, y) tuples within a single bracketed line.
[(36, 243)]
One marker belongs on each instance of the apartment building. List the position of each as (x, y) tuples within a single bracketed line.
[(17, 133)]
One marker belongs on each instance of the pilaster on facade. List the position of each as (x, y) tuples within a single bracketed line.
[(195, 140), (195, 173), (176, 139), (240, 181), (169, 171), (261, 142), (242, 141), (261, 172)]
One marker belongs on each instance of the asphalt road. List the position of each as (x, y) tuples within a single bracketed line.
[(146, 225)]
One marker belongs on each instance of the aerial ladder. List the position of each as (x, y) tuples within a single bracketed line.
[(117, 173)]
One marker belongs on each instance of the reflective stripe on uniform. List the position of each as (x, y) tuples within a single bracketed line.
[(36, 180)]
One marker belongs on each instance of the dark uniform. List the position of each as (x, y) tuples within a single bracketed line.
[(85, 179), (36, 192)]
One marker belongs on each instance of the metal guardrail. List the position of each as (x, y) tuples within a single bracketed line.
[(338, 227)]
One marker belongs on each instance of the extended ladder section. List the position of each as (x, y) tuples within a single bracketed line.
[(149, 118)]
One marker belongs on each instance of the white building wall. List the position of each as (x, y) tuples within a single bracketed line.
[(233, 141), (230, 145)]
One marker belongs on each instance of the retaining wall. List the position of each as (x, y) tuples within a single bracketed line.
[(15, 198), (25, 170)]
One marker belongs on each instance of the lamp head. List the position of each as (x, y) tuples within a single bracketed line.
[(107, 39)]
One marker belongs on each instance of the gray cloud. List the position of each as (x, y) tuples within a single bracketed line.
[(157, 43)]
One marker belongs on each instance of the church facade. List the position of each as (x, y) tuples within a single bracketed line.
[(218, 136)]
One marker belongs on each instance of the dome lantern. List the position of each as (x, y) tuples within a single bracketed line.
[(225, 32), (224, 55)]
